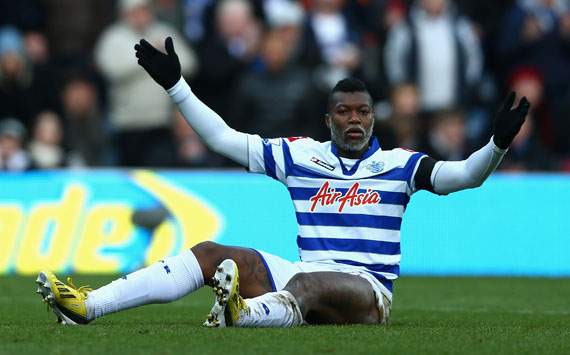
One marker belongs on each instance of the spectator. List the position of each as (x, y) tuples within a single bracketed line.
[(72, 28), (527, 81), (46, 149), (526, 153), (13, 156), (273, 102), (228, 54), (401, 127), (37, 48), (330, 43), (286, 18), (139, 109), (531, 148), (39, 58), (85, 130), (436, 49), (190, 151), (197, 25), (446, 138), (537, 33), (201, 17), (23, 92)]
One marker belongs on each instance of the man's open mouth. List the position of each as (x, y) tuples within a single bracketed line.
[(354, 133)]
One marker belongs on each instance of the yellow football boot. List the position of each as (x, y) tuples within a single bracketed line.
[(229, 304), (66, 301)]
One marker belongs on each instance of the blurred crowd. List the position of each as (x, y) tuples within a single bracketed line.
[(72, 94)]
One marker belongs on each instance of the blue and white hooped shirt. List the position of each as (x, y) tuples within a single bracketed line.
[(348, 216)]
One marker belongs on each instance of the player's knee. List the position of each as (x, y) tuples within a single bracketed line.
[(206, 248), (300, 282), (209, 255), (302, 286)]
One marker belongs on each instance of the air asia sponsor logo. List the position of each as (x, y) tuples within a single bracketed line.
[(322, 163), (328, 196)]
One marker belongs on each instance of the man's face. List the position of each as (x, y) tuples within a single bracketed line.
[(11, 66), (351, 122), (275, 52), (434, 7), (139, 18), (9, 145)]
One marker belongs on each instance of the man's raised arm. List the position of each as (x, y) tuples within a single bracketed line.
[(443, 177), (165, 70)]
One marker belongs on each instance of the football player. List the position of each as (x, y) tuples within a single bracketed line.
[(349, 196)]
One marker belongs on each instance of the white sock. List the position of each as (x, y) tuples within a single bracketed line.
[(274, 309), (164, 281)]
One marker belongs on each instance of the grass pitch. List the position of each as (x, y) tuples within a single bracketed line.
[(430, 316)]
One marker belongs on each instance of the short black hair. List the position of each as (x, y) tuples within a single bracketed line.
[(347, 85)]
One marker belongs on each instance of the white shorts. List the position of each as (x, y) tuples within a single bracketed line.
[(280, 271)]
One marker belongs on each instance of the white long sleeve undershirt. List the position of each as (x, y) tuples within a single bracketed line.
[(451, 176), (446, 177), (217, 135)]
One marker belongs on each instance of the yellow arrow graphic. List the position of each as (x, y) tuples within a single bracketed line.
[(198, 221)]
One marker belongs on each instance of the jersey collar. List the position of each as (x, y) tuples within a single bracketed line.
[(373, 147)]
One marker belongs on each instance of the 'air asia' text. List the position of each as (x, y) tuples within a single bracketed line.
[(327, 196)]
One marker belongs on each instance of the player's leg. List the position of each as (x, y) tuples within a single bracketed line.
[(335, 298), (252, 270), (315, 298), (164, 281)]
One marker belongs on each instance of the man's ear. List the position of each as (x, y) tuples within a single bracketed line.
[(328, 120)]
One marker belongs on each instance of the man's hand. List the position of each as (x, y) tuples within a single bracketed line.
[(163, 68), (508, 121)]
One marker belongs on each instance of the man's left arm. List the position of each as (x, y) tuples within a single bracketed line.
[(443, 177)]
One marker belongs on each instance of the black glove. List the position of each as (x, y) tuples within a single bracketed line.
[(163, 68), (508, 122)]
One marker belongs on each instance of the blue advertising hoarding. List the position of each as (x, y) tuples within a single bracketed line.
[(82, 222)]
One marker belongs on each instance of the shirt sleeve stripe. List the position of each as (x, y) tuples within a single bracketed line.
[(288, 159), (269, 161), (411, 167)]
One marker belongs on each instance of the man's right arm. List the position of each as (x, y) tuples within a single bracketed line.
[(165, 70)]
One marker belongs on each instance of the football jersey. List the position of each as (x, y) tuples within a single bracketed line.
[(345, 215)]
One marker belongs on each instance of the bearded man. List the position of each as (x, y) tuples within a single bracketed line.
[(349, 196)]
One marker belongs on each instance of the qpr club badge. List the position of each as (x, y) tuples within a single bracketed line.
[(375, 166)]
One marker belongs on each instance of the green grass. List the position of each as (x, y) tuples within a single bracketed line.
[(430, 316)]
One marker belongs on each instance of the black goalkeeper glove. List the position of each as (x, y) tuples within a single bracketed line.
[(508, 122), (163, 68)]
